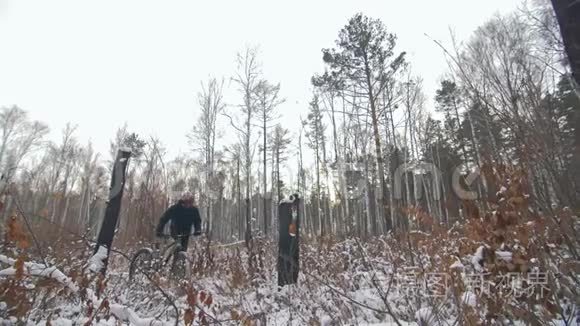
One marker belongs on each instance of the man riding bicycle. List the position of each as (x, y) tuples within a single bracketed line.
[(182, 215)]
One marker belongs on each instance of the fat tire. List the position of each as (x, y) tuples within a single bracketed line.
[(142, 255), (180, 268)]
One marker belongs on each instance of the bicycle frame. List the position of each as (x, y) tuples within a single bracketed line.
[(166, 252)]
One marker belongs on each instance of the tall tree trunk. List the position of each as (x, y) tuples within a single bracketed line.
[(301, 186), (277, 180), (342, 172), (266, 221), (318, 215), (377, 139), (274, 189), (248, 166), (337, 160), (240, 205), (477, 157)]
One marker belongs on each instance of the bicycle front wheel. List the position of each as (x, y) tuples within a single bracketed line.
[(142, 262), (180, 269)]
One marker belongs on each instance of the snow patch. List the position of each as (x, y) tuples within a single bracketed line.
[(457, 265), (501, 190), (425, 315), (57, 322), (477, 259), (120, 312), (126, 314), (504, 255), (97, 261), (469, 299)]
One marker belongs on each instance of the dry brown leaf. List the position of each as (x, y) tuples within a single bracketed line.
[(188, 316)]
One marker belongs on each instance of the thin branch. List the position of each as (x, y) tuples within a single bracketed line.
[(36, 243), (233, 124)]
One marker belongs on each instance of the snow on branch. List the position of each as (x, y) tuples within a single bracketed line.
[(121, 312), (34, 269), (124, 313)]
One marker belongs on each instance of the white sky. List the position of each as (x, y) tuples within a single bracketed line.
[(99, 64)]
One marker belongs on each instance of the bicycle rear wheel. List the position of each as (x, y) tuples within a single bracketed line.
[(142, 262)]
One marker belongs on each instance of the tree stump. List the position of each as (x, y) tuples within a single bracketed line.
[(288, 241), (99, 260)]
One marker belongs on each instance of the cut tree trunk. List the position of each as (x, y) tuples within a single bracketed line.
[(289, 241), (107, 232), (568, 16)]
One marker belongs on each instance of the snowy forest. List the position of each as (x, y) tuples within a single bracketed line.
[(393, 192)]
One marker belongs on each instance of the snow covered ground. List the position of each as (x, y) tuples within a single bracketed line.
[(380, 281), (327, 293)]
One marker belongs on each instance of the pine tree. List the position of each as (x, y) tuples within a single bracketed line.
[(448, 101), (280, 142), (316, 140), (365, 59)]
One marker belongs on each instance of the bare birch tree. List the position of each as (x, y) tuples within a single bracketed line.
[(204, 134), (247, 79)]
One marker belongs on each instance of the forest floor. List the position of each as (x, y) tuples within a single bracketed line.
[(379, 281), (508, 266), (229, 287)]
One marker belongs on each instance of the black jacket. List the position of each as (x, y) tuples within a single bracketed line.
[(182, 218)]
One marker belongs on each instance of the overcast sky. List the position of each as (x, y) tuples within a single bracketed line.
[(99, 64)]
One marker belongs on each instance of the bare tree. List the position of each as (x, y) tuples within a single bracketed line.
[(268, 99), (19, 137), (248, 80), (89, 166), (204, 134)]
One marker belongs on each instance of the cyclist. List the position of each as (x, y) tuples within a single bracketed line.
[(183, 215)]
